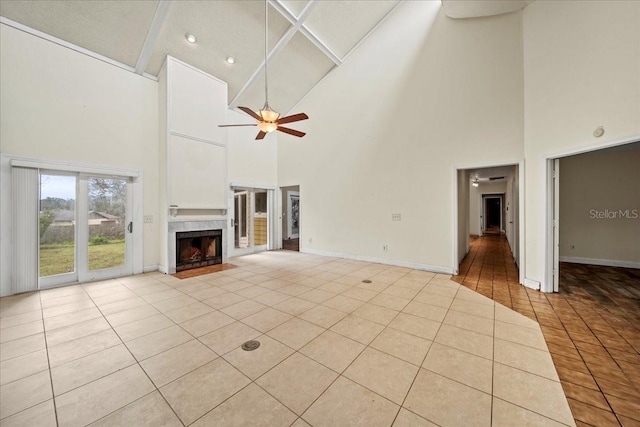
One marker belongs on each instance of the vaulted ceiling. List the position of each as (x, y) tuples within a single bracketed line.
[(307, 38)]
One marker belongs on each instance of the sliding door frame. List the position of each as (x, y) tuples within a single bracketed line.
[(272, 216), (7, 162)]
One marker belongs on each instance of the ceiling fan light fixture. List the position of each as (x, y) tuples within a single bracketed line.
[(267, 119), (269, 115), (267, 127)]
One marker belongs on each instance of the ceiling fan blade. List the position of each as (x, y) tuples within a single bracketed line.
[(261, 135), (250, 112), (293, 118), (291, 131), (230, 126)]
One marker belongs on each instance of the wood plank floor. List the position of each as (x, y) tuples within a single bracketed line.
[(291, 245), (592, 327)]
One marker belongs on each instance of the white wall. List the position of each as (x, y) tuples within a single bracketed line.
[(582, 70), (590, 185), (58, 104), (422, 96)]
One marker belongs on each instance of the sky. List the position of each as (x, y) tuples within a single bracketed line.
[(63, 187)]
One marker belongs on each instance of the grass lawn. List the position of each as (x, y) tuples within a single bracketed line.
[(58, 259)]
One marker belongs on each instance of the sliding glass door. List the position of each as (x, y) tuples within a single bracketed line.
[(85, 228), (107, 222), (57, 222), (241, 219), (251, 220)]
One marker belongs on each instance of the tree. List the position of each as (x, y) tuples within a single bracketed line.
[(108, 196), (56, 203), (46, 218)]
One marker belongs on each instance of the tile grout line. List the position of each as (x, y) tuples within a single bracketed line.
[(46, 346), (251, 381), (279, 363), (137, 362), (426, 354), (493, 364)]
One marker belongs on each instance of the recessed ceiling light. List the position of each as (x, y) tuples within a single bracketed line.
[(231, 60), (191, 38)]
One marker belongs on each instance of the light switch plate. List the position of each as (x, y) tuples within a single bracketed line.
[(148, 219)]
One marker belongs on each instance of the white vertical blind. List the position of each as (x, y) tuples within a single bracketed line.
[(25, 230)]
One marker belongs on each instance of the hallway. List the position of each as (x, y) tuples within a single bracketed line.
[(591, 328)]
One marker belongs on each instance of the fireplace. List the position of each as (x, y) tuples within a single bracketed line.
[(198, 249)]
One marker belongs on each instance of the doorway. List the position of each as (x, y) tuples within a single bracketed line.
[(492, 213), (487, 202), (291, 218), (251, 220), (592, 216), (85, 227)]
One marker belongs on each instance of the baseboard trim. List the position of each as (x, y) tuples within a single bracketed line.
[(150, 268), (533, 284), (162, 269), (397, 263), (603, 262)]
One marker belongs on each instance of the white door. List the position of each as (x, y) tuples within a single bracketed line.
[(293, 214), (85, 228)]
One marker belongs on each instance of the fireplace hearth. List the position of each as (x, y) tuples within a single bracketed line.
[(198, 249)]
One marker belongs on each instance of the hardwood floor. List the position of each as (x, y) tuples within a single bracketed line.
[(195, 272), (592, 327), (291, 245)]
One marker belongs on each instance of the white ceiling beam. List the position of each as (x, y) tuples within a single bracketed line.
[(321, 45), (375, 27), (297, 24), (152, 36), (282, 8)]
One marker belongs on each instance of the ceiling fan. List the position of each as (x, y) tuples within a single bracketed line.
[(269, 120)]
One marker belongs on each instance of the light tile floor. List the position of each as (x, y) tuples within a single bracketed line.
[(412, 348), (592, 327)]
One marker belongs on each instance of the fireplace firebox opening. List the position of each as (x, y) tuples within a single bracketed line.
[(198, 249)]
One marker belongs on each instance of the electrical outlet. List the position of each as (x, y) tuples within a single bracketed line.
[(396, 217), (148, 219), (385, 248)]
